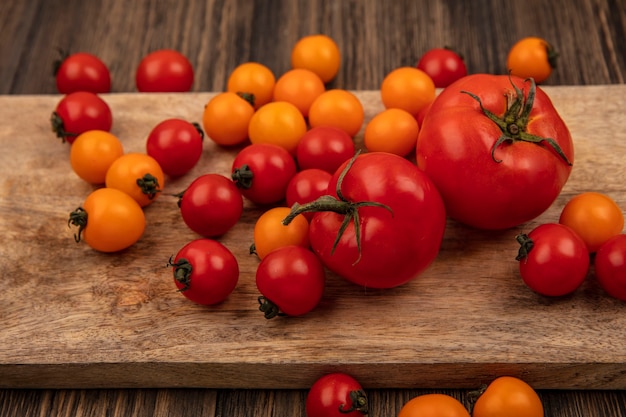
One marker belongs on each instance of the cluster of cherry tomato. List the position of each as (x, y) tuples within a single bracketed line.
[(340, 394)]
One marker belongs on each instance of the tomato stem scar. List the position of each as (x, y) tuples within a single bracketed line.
[(182, 272), (359, 403)]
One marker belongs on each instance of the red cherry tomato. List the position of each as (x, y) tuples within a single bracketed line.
[(205, 271), (82, 72), (324, 147), (79, 112), (336, 395), (443, 65), (164, 71), (306, 186), (176, 144), (610, 266)]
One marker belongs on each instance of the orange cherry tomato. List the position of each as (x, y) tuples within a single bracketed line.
[(508, 396), (138, 175), (108, 221), (407, 88), (226, 118), (337, 108), (318, 53), (279, 123), (433, 405), (595, 217), (270, 233), (299, 87), (92, 153), (255, 79), (532, 57), (392, 130)]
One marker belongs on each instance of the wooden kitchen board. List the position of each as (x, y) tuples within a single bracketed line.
[(73, 317)]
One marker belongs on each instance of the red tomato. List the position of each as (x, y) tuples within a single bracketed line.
[(176, 145), (306, 186), (262, 172), (553, 259), (393, 216), (610, 265), (443, 65), (495, 170), (324, 147), (336, 395), (79, 112), (291, 282), (205, 271), (82, 72), (164, 71), (211, 205)]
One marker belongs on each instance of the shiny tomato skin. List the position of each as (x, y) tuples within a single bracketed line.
[(395, 248), (176, 145), (79, 112), (332, 395), (324, 147), (82, 71), (444, 66), (454, 149), (433, 405), (610, 266), (508, 396), (164, 71), (306, 186)]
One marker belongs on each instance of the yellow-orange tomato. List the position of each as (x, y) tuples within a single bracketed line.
[(532, 57), (92, 153), (407, 88), (337, 108), (138, 175), (279, 123), (318, 53), (508, 396), (433, 405), (299, 87), (270, 233), (392, 130), (253, 78), (109, 220), (226, 118), (595, 217)]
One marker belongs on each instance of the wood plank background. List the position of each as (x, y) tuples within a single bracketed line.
[(374, 38)]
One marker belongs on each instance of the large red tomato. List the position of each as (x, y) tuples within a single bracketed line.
[(497, 150), (382, 223)]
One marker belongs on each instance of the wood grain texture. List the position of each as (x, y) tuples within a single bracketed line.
[(76, 318)]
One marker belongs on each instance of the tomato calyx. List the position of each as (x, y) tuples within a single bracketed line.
[(474, 395), (515, 120), (58, 127), (182, 272), (526, 245), (340, 205), (199, 129), (359, 403), (78, 218), (552, 55), (149, 185), (249, 97), (243, 177), (269, 309)]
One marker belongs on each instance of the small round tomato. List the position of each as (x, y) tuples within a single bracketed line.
[(279, 123), (164, 71), (291, 282), (595, 217), (407, 88), (262, 172), (443, 66), (508, 396), (176, 145), (610, 266), (317, 53), (299, 87), (339, 108), (324, 147), (211, 205), (138, 175), (553, 259), (336, 395), (82, 71), (79, 112), (205, 271), (252, 79), (108, 221), (392, 130), (433, 405), (270, 233), (306, 186), (226, 118), (92, 153), (532, 57)]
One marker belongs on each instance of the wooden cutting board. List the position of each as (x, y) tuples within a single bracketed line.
[(72, 317)]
